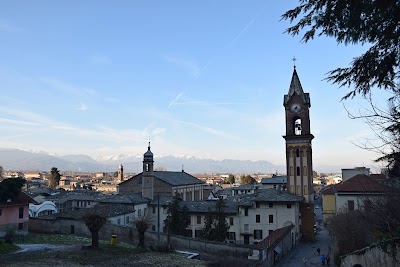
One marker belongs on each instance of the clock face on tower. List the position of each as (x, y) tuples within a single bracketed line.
[(295, 108)]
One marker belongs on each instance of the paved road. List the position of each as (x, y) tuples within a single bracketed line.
[(305, 254)]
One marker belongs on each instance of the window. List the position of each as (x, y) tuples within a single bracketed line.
[(198, 219), (257, 218), (88, 203), (289, 205), (21, 212), (292, 189), (230, 220), (291, 170), (297, 153), (153, 228), (257, 205), (145, 211), (154, 209), (297, 170), (257, 234), (119, 221), (298, 190), (147, 167), (246, 227), (305, 170), (271, 218), (350, 205), (1, 211), (127, 220), (270, 232), (20, 226), (271, 204), (246, 211), (139, 213)]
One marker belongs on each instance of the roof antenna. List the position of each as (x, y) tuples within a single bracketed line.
[(182, 168)]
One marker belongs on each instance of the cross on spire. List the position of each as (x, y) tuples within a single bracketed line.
[(294, 59)]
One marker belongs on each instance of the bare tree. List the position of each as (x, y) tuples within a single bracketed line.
[(94, 222), (385, 124), (143, 223)]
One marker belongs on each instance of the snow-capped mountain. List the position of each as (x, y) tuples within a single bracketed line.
[(15, 159)]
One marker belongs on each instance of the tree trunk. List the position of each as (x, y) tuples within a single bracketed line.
[(141, 240), (95, 239)]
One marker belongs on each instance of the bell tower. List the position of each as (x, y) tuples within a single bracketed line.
[(121, 173), (147, 175), (298, 138)]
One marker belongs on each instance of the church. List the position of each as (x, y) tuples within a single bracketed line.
[(151, 183)]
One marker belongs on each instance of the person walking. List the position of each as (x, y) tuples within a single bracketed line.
[(318, 251), (328, 259), (323, 260)]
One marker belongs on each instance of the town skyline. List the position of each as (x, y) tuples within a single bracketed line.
[(104, 80)]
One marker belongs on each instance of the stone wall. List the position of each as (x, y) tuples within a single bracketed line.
[(373, 256), (129, 235)]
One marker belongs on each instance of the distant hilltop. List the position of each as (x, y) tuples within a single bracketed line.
[(20, 160)]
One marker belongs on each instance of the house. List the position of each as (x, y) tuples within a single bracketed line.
[(349, 173), (272, 248), (274, 182), (263, 212), (76, 200), (352, 194), (152, 183), (14, 214), (135, 200)]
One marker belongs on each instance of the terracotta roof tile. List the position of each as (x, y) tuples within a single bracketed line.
[(21, 198), (362, 183), (274, 237)]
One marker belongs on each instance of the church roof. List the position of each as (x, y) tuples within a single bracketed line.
[(177, 178), (274, 180), (295, 87), (266, 195)]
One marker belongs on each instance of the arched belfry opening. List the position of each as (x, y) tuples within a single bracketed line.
[(297, 126)]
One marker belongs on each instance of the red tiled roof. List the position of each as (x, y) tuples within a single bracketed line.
[(274, 237), (362, 183), (378, 176), (20, 199)]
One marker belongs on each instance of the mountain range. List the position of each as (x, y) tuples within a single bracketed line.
[(20, 160)]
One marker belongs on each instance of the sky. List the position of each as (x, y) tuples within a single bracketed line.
[(199, 78)]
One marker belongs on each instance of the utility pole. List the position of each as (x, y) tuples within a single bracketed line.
[(158, 219)]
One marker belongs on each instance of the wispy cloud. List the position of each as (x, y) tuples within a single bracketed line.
[(189, 66), (75, 90), (83, 107), (6, 26), (18, 122), (211, 131), (151, 131), (173, 102), (181, 100), (100, 60)]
